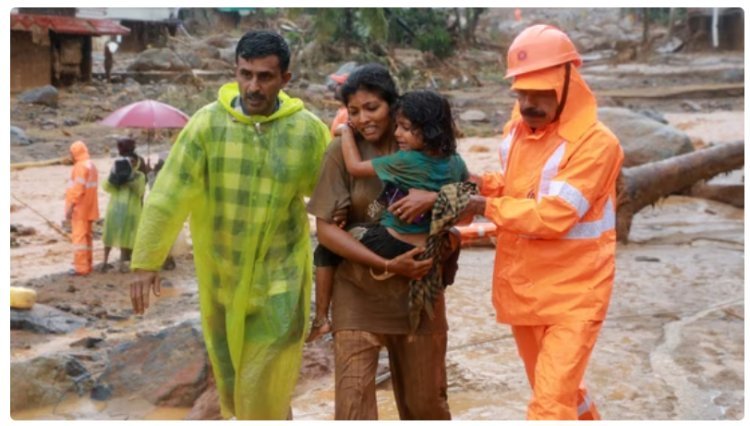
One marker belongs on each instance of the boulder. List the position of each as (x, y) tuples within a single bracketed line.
[(216, 65), (169, 368), (207, 406), (191, 59), (227, 54), (644, 139), (46, 380), (18, 136), (473, 115), (44, 319), (158, 60), (45, 95)]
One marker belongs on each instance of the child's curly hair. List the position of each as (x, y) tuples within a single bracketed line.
[(430, 114)]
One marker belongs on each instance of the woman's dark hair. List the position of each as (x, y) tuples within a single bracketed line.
[(373, 78), (430, 114), (257, 44)]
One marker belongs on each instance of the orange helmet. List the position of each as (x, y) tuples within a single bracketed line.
[(539, 47)]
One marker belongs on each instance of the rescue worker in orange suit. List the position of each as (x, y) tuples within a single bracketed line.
[(82, 207), (553, 202)]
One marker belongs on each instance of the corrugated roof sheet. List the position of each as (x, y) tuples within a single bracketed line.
[(66, 24)]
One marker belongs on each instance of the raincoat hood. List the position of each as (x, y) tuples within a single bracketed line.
[(288, 106), (79, 151), (578, 113)]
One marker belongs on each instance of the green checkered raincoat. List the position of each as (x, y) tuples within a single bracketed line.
[(123, 211), (242, 180)]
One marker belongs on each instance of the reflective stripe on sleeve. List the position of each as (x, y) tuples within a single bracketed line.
[(594, 229), (504, 151), (569, 193), (550, 170)]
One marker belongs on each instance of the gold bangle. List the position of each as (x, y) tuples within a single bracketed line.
[(385, 275)]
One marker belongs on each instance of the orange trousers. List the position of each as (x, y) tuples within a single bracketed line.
[(83, 246), (555, 357)]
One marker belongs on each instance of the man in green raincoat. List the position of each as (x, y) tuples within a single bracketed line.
[(240, 169)]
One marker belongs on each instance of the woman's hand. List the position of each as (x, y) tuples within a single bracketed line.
[(407, 266), (339, 217), (415, 203)]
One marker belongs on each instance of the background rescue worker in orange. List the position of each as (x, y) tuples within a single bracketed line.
[(82, 207), (553, 202)]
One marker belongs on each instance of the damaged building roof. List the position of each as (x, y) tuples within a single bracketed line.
[(66, 25)]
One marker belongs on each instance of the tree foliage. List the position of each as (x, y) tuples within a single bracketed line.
[(436, 30)]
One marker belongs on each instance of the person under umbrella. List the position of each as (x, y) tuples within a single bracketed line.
[(126, 185)]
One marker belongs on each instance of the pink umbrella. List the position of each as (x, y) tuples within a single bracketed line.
[(147, 114)]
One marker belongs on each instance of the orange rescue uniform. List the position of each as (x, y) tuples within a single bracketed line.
[(553, 202), (81, 198)]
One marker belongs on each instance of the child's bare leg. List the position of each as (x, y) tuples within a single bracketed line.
[(323, 289)]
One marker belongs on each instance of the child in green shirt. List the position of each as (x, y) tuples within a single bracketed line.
[(427, 160)]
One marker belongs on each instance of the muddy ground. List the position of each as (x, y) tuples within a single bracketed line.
[(671, 348)]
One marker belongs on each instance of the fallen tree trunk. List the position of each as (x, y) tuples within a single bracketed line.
[(29, 164), (640, 186), (729, 194)]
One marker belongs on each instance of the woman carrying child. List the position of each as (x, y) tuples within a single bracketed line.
[(369, 313)]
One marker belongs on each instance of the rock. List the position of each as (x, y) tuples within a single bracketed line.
[(216, 65), (101, 393), (18, 136), (733, 75), (71, 122), (473, 115), (168, 368), (22, 231), (48, 124), (654, 115), (317, 360), (46, 381), (45, 319), (227, 54), (220, 41), (158, 60), (690, 106), (207, 405), (87, 342), (670, 46), (206, 51), (316, 89), (643, 139), (45, 95), (191, 59)]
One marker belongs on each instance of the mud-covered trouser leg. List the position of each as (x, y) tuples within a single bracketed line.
[(83, 246), (262, 387), (418, 375), (356, 359), (555, 357)]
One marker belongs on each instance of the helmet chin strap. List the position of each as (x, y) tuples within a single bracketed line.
[(564, 96)]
